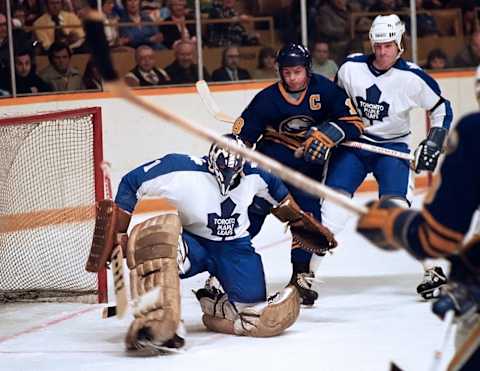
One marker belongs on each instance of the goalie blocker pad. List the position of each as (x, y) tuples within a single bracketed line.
[(111, 224)]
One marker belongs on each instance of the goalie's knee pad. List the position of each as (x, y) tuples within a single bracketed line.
[(155, 285), (265, 319)]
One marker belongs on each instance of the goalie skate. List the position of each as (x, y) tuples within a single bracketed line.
[(433, 279)]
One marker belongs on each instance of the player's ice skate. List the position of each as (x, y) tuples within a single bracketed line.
[(433, 279)]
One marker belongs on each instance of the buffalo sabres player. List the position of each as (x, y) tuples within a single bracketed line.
[(208, 232), (438, 230), (384, 88), (303, 110)]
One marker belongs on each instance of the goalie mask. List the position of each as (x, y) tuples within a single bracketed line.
[(226, 166)]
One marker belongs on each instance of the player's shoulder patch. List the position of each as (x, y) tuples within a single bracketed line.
[(238, 125)]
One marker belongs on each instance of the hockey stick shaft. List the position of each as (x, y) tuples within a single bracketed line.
[(212, 106), (97, 41), (439, 352)]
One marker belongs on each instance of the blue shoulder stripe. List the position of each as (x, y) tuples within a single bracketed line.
[(427, 79)]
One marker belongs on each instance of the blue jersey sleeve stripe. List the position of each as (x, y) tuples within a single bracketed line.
[(447, 121)]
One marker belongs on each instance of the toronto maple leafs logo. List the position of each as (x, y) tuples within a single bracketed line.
[(371, 107), (224, 225)]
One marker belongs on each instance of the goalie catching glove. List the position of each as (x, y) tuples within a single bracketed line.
[(309, 234), (320, 141)]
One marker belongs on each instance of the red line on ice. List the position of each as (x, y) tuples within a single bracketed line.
[(47, 324)]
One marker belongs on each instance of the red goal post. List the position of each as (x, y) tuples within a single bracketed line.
[(50, 178)]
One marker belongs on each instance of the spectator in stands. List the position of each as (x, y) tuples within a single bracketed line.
[(266, 68), (385, 6), (145, 73), (33, 10), (111, 30), (470, 56), (59, 74), (233, 33), (321, 62), (468, 13), (91, 77), (3, 42), (436, 60), (426, 23), (179, 30), (26, 79), (139, 34), (62, 29), (333, 27), (230, 70), (184, 70)]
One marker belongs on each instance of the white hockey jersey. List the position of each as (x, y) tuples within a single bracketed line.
[(384, 99), (186, 182)]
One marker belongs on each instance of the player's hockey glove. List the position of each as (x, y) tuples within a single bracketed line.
[(457, 297), (428, 151), (308, 233), (383, 224), (320, 140)]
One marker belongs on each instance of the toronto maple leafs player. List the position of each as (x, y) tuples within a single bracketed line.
[(303, 110), (439, 230), (208, 232), (384, 89)]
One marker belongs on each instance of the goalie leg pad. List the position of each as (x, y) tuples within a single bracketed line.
[(111, 222), (270, 318), (265, 319), (152, 257)]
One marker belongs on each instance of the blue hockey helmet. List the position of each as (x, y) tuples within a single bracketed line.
[(225, 165), (294, 55)]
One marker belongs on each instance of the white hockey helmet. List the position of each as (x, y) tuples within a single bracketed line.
[(387, 28)]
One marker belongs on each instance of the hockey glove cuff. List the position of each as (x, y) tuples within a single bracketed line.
[(385, 224), (321, 140), (454, 296), (428, 151)]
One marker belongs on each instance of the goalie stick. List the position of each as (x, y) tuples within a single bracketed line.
[(94, 27), (116, 265), (207, 98)]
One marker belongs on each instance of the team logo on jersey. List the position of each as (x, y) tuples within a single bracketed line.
[(371, 107), (295, 125), (224, 225)]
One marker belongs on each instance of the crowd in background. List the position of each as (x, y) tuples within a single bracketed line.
[(145, 28)]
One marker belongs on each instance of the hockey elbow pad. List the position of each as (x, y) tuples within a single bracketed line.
[(428, 151), (321, 140)]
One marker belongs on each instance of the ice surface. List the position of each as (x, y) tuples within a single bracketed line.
[(368, 314)]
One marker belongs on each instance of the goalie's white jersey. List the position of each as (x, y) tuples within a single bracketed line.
[(384, 99), (186, 182)]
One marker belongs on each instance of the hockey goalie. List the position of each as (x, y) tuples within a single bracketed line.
[(206, 231)]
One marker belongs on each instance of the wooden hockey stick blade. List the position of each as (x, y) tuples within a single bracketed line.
[(206, 95), (94, 27), (204, 92), (394, 367), (109, 311), (119, 282)]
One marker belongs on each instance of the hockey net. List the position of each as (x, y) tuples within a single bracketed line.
[(50, 178)]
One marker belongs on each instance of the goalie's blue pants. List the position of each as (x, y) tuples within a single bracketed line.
[(235, 264)]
